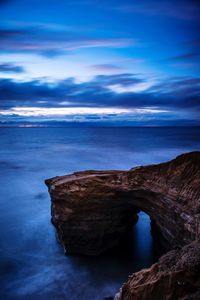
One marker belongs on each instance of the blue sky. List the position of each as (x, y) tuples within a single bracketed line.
[(115, 62)]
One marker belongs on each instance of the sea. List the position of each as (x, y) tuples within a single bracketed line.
[(32, 262)]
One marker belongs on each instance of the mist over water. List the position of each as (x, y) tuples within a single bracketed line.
[(32, 263)]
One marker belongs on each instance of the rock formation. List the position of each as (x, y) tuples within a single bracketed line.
[(175, 276), (92, 210)]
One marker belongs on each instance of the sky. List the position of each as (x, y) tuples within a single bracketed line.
[(100, 62)]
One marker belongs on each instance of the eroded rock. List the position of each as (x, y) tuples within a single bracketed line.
[(92, 210), (175, 276)]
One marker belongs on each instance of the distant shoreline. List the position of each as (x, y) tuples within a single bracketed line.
[(82, 125)]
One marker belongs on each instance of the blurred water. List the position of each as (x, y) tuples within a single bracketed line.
[(32, 264)]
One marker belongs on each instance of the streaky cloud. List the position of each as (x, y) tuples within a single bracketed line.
[(181, 9), (106, 67), (67, 96), (185, 57), (11, 68), (48, 41)]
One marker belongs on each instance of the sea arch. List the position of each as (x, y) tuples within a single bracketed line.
[(92, 210)]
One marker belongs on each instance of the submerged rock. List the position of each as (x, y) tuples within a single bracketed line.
[(92, 211)]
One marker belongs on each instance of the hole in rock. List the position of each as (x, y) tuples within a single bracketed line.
[(139, 245), (135, 252)]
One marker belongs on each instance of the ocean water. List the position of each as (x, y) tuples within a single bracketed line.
[(32, 263)]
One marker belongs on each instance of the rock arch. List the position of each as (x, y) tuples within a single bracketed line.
[(91, 210)]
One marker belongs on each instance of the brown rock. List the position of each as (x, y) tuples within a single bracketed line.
[(175, 276), (92, 210)]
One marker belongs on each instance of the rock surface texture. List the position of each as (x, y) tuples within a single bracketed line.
[(92, 211), (176, 276)]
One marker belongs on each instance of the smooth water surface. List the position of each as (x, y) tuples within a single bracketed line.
[(32, 264)]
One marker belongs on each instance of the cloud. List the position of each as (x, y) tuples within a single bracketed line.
[(52, 40), (11, 68), (182, 87), (63, 91), (187, 61), (186, 56), (106, 67), (124, 79), (67, 96), (181, 9), (70, 111)]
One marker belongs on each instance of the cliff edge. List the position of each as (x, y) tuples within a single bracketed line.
[(92, 211)]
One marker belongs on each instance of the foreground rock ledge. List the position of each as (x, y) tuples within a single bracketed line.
[(176, 276), (92, 210)]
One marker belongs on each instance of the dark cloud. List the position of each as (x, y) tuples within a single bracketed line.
[(179, 86), (33, 91), (186, 56), (10, 33), (178, 93), (11, 68), (124, 79)]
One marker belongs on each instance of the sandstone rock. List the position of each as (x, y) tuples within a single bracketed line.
[(175, 276), (92, 210)]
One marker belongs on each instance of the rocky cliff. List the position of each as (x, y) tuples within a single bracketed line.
[(175, 276), (92, 210)]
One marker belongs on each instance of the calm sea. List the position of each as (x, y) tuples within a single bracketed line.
[(32, 263)]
